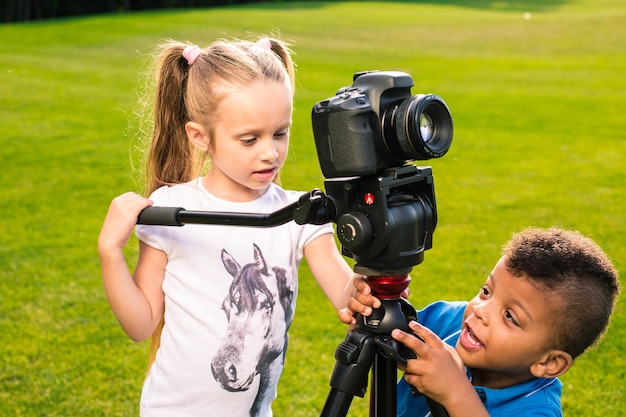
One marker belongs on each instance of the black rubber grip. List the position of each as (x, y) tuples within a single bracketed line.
[(160, 216)]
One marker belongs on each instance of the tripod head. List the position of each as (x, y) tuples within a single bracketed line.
[(385, 222)]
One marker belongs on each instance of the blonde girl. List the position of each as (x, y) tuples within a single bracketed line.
[(218, 300)]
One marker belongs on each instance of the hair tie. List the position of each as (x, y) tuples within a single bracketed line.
[(191, 52), (265, 43)]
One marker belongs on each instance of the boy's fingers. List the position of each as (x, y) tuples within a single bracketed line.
[(408, 340), (430, 338), (357, 306), (345, 315), (361, 285)]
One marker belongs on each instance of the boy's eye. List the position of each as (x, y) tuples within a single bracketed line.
[(510, 318), (484, 291)]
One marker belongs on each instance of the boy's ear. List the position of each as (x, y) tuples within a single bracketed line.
[(197, 135), (554, 363)]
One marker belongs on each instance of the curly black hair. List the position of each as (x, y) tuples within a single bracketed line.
[(582, 277)]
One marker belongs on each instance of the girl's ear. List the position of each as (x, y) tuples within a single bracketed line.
[(554, 363), (197, 135)]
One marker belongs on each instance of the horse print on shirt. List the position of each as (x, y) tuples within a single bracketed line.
[(259, 312)]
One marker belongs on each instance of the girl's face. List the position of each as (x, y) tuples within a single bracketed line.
[(507, 327), (250, 141)]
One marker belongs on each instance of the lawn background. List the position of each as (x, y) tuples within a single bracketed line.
[(538, 106)]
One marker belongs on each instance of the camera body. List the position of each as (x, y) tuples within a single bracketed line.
[(376, 123)]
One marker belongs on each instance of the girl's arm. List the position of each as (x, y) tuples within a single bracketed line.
[(334, 276), (136, 300)]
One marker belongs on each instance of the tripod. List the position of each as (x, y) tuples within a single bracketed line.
[(370, 345)]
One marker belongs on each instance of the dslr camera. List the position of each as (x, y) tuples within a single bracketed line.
[(376, 123)]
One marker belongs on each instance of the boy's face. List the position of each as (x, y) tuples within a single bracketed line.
[(507, 327)]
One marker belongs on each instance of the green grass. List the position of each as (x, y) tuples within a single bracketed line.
[(540, 140)]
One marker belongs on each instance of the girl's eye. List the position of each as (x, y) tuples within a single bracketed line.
[(281, 134), (510, 318), (248, 142)]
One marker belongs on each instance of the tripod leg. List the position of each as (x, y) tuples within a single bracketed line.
[(354, 358), (383, 401), (337, 404)]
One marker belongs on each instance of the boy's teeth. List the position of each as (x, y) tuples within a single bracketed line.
[(470, 337)]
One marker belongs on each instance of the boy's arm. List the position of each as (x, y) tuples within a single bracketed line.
[(439, 373)]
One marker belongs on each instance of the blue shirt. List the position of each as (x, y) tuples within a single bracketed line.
[(537, 397)]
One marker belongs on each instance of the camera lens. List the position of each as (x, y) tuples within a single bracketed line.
[(426, 127), (418, 127)]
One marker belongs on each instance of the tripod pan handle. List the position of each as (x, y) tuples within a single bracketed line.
[(160, 216)]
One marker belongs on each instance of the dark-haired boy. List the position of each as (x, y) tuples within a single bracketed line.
[(548, 299)]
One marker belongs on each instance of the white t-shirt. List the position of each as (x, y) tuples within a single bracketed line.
[(230, 294)]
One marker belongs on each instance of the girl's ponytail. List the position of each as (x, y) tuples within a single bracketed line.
[(170, 160), (281, 49)]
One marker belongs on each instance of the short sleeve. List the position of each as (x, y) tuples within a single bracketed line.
[(155, 236)]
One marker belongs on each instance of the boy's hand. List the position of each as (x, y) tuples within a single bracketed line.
[(361, 302), (438, 368)]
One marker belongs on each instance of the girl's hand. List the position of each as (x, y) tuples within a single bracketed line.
[(438, 369), (120, 221), (361, 302)]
